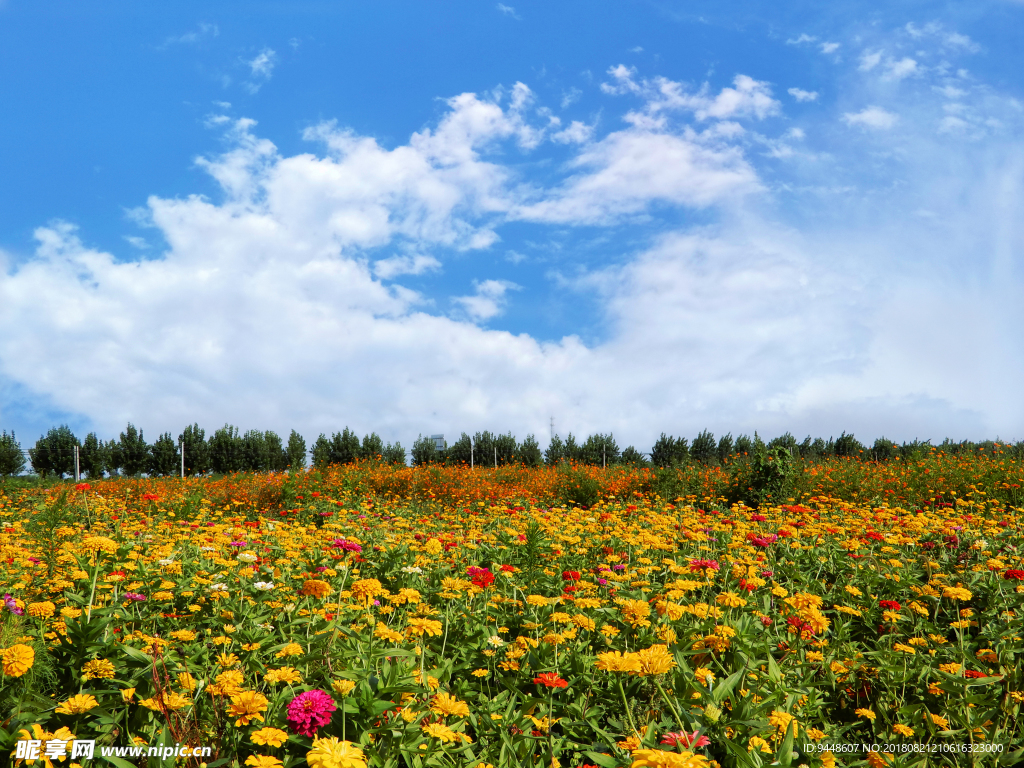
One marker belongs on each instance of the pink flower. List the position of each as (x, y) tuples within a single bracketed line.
[(309, 711), (700, 565), (684, 739)]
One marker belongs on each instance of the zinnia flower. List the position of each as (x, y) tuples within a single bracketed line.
[(331, 753), (77, 705), (309, 711), (674, 739), (656, 758), (246, 706), (18, 659), (549, 680), (263, 761), (273, 737), (444, 704)]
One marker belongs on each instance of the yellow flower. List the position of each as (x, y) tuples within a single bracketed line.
[(630, 743), (186, 681), (636, 612), (18, 659), (344, 687), (127, 694), (940, 722), (317, 588), (865, 713), (246, 706), (263, 761), (440, 731), (183, 635), (98, 669), (366, 589), (655, 660), (956, 593), (614, 661), (903, 730), (283, 675), (227, 659), (705, 675), (168, 701), (432, 547), (756, 742), (331, 753), (78, 705), (480, 673), (418, 626), (781, 720), (42, 610), (657, 758), (951, 668), (444, 704), (291, 649), (273, 737), (731, 600)]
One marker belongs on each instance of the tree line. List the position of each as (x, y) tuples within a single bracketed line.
[(230, 450)]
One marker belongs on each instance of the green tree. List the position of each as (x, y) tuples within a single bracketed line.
[(12, 460), (884, 449), (669, 451), (93, 458), (115, 462), (134, 451), (197, 450), (555, 451), (321, 452), (344, 447), (633, 457), (704, 448), (54, 452), (460, 451), (599, 449), (425, 452), (528, 452), (725, 448), (296, 451), (847, 445), (261, 451), (226, 450), (372, 448), (164, 457), (744, 445), (483, 449), (394, 453)]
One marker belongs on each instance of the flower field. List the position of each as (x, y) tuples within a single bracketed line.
[(442, 616)]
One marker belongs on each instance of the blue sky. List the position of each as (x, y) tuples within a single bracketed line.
[(417, 218)]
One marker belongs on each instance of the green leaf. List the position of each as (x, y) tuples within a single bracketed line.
[(600, 758)]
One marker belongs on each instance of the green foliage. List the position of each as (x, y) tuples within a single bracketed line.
[(226, 450), (576, 486), (633, 457), (529, 452), (197, 451), (12, 460), (883, 450), (164, 457), (93, 457), (296, 451), (555, 451), (394, 453), (425, 452), (669, 451), (54, 452), (704, 448), (599, 450), (766, 478), (744, 445), (725, 448), (134, 451), (372, 448), (460, 451), (342, 448), (847, 445)]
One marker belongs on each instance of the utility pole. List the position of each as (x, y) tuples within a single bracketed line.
[(78, 475), (181, 444), (604, 457), (471, 453), (495, 457)]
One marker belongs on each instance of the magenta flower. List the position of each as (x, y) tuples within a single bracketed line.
[(702, 564), (309, 711)]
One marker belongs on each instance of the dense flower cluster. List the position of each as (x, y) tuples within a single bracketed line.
[(454, 616)]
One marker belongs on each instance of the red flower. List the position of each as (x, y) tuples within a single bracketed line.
[(83, 487), (550, 680), (508, 569), (570, 575), (150, 497), (973, 673), (1014, 574), (682, 738), (891, 605)]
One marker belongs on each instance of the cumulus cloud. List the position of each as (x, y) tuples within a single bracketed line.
[(487, 301), (202, 32), (829, 47), (261, 68), (801, 95), (869, 60), (508, 10), (412, 264), (897, 70), (280, 304), (871, 117)]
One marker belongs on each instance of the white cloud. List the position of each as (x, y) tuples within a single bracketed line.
[(137, 242), (570, 97), (202, 32), (829, 47), (508, 10), (801, 95), (803, 38), (636, 49), (897, 70), (869, 60), (576, 133), (261, 68), (411, 264), (871, 117), (488, 301)]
